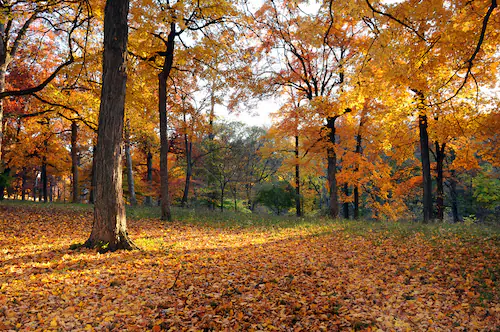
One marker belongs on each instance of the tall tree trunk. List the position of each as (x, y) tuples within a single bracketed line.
[(454, 197), (148, 201), (23, 184), (74, 162), (298, 206), (345, 205), (3, 73), (162, 107), (92, 178), (332, 169), (44, 181), (358, 151), (189, 170), (130, 171), (222, 198), (440, 180), (426, 167), (109, 230), (4, 175)]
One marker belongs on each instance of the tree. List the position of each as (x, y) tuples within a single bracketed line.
[(109, 230), (278, 196)]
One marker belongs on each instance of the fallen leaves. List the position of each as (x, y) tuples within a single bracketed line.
[(193, 277)]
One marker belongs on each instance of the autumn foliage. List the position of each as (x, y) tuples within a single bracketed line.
[(310, 275)]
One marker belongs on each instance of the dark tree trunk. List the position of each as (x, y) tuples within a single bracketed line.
[(426, 167), (454, 197), (222, 199), (44, 181), (23, 184), (162, 107), (358, 152), (148, 201), (130, 171), (3, 182), (92, 178), (74, 162), (298, 206), (189, 170), (332, 169), (345, 205), (109, 230), (440, 180)]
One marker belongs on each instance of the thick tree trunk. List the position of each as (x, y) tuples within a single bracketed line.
[(332, 169), (426, 167), (109, 230), (148, 201), (440, 180), (130, 171), (162, 107), (345, 205), (189, 170), (298, 205), (74, 162)]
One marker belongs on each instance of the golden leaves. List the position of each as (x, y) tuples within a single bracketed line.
[(319, 277)]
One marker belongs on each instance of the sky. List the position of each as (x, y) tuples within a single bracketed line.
[(259, 116)]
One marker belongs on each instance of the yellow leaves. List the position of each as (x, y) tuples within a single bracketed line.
[(319, 277)]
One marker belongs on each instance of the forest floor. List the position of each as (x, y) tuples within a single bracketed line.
[(212, 272)]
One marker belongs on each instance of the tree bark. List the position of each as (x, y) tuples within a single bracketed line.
[(23, 184), (149, 177), (74, 162), (426, 167), (44, 180), (92, 178), (130, 171), (332, 169), (109, 230), (454, 197), (162, 107), (298, 206), (189, 170), (358, 151), (345, 205), (440, 180)]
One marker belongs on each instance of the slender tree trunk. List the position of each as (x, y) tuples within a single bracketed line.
[(345, 205), (3, 184), (454, 197), (298, 206), (3, 72), (44, 181), (130, 171), (23, 184), (109, 230), (92, 178), (222, 198), (426, 167), (74, 162), (148, 201), (189, 169), (358, 152), (162, 81), (440, 180), (332, 169)]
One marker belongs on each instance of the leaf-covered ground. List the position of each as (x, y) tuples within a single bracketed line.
[(190, 276)]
